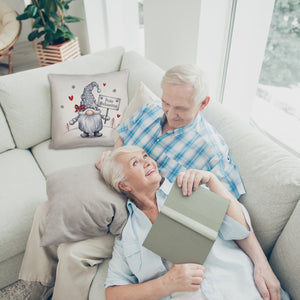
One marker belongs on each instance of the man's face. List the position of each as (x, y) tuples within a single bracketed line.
[(179, 105), (140, 170)]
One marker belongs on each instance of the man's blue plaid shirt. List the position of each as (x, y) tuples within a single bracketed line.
[(195, 146)]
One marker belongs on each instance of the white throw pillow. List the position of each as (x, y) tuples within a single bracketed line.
[(142, 96), (86, 108)]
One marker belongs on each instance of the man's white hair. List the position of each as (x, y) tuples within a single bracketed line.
[(188, 74), (112, 170)]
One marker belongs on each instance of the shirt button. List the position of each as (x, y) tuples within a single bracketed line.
[(157, 140)]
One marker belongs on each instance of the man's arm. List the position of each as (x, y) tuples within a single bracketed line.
[(264, 277), (190, 180)]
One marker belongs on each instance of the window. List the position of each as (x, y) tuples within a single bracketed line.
[(276, 108)]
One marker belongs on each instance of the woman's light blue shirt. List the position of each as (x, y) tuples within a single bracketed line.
[(229, 271)]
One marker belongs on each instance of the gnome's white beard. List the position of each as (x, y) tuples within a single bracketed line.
[(90, 124)]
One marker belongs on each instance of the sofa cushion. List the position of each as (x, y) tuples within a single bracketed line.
[(25, 96), (270, 174), (141, 69), (52, 160), (285, 255), (97, 290), (87, 108), (6, 141), (82, 206), (23, 187)]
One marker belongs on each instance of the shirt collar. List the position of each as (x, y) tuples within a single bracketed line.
[(161, 195), (182, 129)]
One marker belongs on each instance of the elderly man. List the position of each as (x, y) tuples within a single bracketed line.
[(176, 135), (137, 273)]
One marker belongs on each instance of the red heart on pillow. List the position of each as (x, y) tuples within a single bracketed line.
[(118, 116), (104, 84), (71, 98)]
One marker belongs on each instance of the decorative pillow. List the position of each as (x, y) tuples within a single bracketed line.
[(82, 206), (142, 96), (86, 108)]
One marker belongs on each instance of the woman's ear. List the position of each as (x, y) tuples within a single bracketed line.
[(124, 187)]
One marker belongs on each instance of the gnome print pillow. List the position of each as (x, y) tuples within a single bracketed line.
[(87, 108)]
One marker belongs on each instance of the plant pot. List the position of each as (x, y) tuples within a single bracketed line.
[(57, 53)]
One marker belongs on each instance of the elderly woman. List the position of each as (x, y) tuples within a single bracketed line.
[(137, 273)]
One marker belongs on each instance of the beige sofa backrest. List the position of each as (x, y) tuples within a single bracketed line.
[(271, 177), (27, 102), (6, 140)]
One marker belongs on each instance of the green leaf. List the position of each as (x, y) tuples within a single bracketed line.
[(64, 28), (58, 36), (50, 27), (45, 44), (70, 35), (50, 6), (38, 23), (49, 37), (42, 4), (59, 4), (23, 16), (41, 33), (56, 17), (33, 35), (71, 19), (32, 11), (27, 8)]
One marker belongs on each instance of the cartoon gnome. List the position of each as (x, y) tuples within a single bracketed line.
[(89, 115)]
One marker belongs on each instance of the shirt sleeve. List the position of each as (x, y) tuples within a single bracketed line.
[(233, 230), (119, 272), (125, 129), (225, 169)]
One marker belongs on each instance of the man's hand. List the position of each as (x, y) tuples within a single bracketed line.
[(100, 160), (189, 180), (183, 277), (266, 282)]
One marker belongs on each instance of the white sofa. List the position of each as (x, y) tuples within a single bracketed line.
[(270, 174)]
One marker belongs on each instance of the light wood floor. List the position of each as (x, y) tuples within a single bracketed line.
[(23, 58)]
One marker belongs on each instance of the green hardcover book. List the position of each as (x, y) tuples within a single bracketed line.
[(187, 227)]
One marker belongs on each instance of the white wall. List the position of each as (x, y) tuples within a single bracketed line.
[(123, 23), (96, 31), (191, 31), (171, 31)]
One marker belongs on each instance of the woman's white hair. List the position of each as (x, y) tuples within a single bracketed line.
[(188, 74), (112, 170)]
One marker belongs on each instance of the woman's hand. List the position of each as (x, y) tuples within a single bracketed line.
[(100, 160), (189, 180), (183, 277)]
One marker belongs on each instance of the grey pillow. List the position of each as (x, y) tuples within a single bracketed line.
[(81, 206)]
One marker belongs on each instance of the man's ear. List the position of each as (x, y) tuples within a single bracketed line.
[(204, 103), (124, 187)]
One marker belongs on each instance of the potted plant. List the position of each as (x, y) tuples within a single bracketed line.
[(49, 25)]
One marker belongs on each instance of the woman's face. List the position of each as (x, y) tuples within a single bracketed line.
[(140, 170)]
